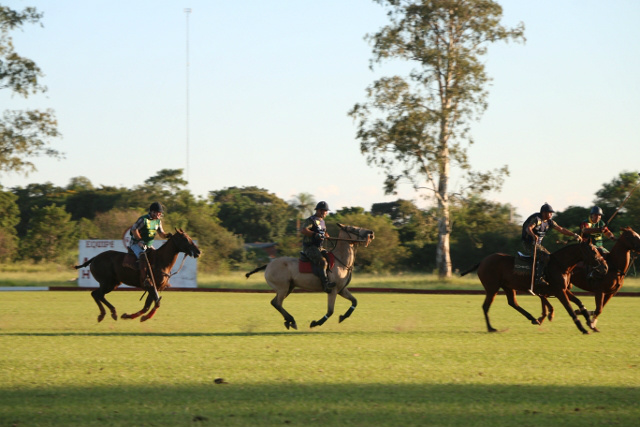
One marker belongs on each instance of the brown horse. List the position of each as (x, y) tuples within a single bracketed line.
[(497, 271), (619, 261), (107, 268), (283, 275)]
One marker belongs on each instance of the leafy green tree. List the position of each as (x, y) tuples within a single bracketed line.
[(51, 235), (414, 129), (612, 196), (9, 219), (23, 134), (384, 253), (253, 213)]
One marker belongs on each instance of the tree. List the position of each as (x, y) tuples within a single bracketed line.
[(414, 129), (304, 204), (9, 219), (253, 213), (23, 134), (51, 234)]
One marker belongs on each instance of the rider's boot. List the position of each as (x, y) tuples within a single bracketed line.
[(327, 286)]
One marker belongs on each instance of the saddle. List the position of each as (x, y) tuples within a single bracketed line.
[(305, 265)]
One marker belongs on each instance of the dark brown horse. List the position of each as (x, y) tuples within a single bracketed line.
[(497, 271), (107, 268), (283, 275), (619, 261)]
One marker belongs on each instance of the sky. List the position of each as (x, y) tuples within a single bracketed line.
[(256, 93)]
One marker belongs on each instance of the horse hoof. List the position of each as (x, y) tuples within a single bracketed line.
[(341, 318), (100, 317), (114, 316), (287, 325), (492, 330), (313, 324), (535, 322), (125, 316), (294, 326)]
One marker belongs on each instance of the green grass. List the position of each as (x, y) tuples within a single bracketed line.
[(409, 360)]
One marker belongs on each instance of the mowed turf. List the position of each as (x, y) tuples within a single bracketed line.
[(216, 359)]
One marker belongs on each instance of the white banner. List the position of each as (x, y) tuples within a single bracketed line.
[(90, 248)]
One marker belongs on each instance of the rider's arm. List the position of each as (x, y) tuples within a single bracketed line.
[(566, 232)]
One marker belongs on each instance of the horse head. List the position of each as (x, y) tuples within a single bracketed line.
[(358, 234), (631, 238), (184, 243), (592, 256)]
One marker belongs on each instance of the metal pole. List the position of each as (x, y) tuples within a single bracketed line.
[(187, 12), (533, 268)]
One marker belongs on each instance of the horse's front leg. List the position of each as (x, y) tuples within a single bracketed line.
[(331, 301), (344, 293), (147, 305), (156, 306), (547, 310), (563, 297), (582, 310)]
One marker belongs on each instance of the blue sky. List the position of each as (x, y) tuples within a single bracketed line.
[(271, 82)]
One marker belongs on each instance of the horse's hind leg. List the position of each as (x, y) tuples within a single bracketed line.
[(98, 297), (488, 299), (582, 310), (511, 298), (276, 302), (547, 310), (331, 301), (153, 310)]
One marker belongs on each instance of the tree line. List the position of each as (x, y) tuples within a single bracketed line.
[(43, 222)]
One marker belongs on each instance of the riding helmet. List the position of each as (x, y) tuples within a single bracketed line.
[(323, 206), (546, 208), (156, 207), (596, 210)]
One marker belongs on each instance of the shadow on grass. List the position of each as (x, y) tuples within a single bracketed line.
[(322, 405)]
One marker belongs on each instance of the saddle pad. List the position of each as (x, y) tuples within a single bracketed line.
[(305, 266), (522, 266)]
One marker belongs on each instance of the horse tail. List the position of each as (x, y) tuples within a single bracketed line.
[(264, 267), (469, 270), (85, 264)]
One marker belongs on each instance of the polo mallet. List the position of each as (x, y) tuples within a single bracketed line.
[(153, 280), (533, 267), (622, 204)]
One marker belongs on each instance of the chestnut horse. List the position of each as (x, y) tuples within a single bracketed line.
[(109, 272), (619, 261), (497, 271), (283, 275)]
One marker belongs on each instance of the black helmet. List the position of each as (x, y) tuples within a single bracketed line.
[(156, 207), (546, 208), (596, 210), (323, 206)]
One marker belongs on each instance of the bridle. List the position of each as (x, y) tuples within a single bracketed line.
[(351, 241)]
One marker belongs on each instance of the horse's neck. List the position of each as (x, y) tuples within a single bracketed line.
[(568, 257), (619, 257), (345, 253), (166, 256)]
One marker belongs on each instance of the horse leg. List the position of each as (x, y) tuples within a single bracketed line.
[(331, 301), (547, 309), (98, 297), (276, 302), (147, 305), (344, 293), (488, 299), (511, 299), (582, 310), (156, 306), (563, 297)]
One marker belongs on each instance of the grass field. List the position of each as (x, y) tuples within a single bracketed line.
[(400, 360)]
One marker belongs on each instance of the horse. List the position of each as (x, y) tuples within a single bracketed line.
[(283, 275), (108, 270), (497, 271), (604, 287)]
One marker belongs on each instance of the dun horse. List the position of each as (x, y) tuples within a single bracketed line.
[(283, 275), (619, 261), (108, 270), (497, 271)]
